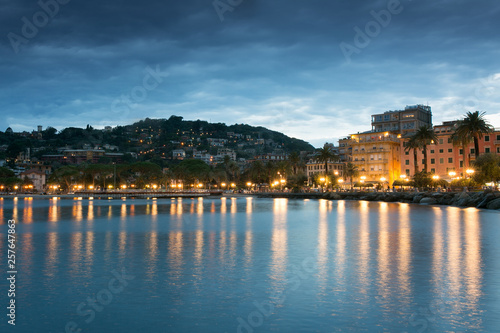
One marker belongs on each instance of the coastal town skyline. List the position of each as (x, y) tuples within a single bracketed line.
[(326, 66)]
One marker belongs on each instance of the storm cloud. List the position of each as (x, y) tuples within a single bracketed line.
[(311, 69)]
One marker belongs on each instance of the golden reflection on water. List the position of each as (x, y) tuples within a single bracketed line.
[(199, 207), (14, 209), (223, 205), (279, 241), (473, 260), (323, 261), (28, 210), (52, 254), (1, 211), (364, 247), (175, 257), (438, 257), (77, 211), (454, 255), (341, 241), (404, 249), (154, 210), (383, 250), (248, 247), (76, 251), (234, 206), (249, 207), (90, 213)]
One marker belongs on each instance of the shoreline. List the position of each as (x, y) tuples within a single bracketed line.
[(487, 199)]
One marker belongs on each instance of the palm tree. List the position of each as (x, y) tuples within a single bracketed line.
[(473, 126), (424, 136), (326, 154), (412, 144), (462, 142), (351, 171)]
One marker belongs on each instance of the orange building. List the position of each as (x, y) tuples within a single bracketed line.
[(445, 158)]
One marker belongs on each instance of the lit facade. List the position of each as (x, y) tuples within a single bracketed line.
[(377, 156), (403, 121), (445, 158)]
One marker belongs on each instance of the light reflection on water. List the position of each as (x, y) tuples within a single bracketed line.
[(202, 263)]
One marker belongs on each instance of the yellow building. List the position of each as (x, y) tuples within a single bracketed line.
[(377, 156)]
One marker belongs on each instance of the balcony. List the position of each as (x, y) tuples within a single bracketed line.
[(497, 142), (378, 161)]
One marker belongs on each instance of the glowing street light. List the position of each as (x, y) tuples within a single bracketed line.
[(435, 177), (470, 172), (383, 179), (223, 184), (452, 174)]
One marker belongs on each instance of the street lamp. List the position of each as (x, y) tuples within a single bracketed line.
[(470, 172), (452, 174)]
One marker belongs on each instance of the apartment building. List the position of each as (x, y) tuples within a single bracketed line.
[(377, 155), (444, 157), (313, 167), (403, 121)]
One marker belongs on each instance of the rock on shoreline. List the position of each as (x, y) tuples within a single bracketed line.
[(487, 199)]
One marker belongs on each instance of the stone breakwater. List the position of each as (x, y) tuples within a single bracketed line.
[(487, 199)]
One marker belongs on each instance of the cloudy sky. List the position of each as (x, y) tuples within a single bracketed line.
[(312, 69)]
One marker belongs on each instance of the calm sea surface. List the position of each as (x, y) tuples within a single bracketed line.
[(251, 265)]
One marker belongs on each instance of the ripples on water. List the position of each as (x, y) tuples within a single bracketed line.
[(245, 264)]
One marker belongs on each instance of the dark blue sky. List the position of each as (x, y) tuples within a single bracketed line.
[(300, 67)]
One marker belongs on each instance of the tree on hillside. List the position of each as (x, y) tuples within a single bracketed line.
[(474, 126), (295, 161)]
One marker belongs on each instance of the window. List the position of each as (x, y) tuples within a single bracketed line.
[(461, 152), (423, 161), (407, 171), (449, 140), (433, 170), (472, 151), (432, 151), (441, 160), (498, 150), (450, 150), (407, 162), (440, 141), (407, 153), (461, 164), (441, 151), (433, 161), (498, 137), (450, 159), (486, 138), (487, 149)]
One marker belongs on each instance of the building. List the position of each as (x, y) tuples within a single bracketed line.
[(178, 154), (78, 156), (403, 121), (445, 159), (313, 168), (38, 178), (221, 152), (271, 157), (377, 155)]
